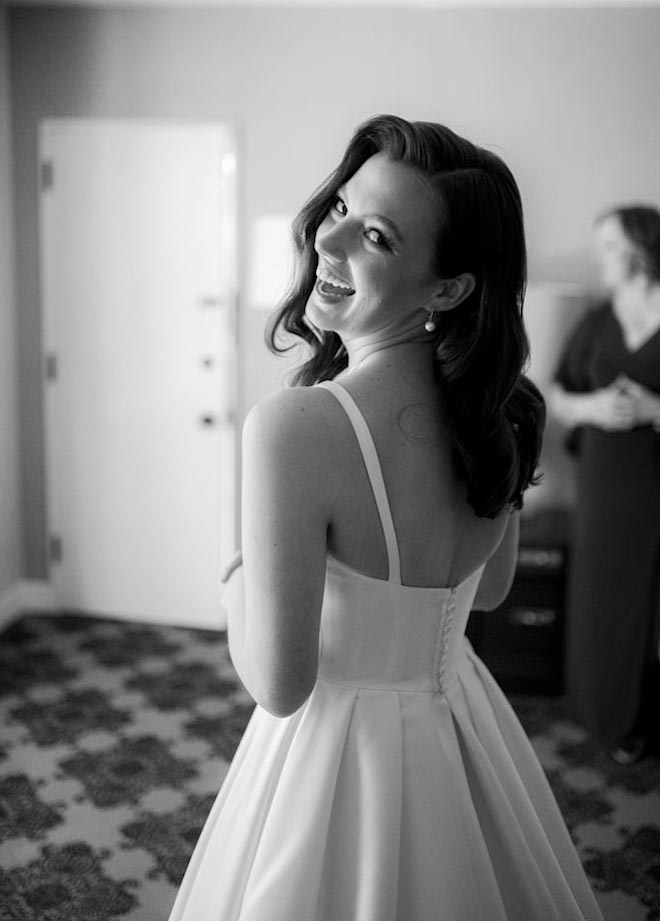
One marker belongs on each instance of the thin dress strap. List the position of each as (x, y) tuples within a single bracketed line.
[(374, 472)]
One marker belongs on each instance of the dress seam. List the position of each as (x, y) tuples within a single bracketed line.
[(398, 878), (363, 687)]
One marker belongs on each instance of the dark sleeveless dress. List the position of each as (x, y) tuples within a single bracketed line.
[(613, 610)]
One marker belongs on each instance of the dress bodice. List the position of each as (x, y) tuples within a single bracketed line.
[(378, 633)]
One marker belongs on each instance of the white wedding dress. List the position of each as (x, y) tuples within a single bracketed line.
[(403, 789)]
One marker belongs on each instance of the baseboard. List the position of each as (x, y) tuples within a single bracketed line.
[(26, 594), (40, 595), (10, 603)]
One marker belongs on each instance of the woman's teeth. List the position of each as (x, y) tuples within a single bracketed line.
[(329, 285), (326, 287)]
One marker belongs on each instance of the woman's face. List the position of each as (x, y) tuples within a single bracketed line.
[(614, 253), (375, 253)]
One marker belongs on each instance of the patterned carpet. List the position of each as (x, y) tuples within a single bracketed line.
[(115, 737)]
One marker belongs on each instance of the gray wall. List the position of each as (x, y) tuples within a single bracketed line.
[(568, 97), (10, 525)]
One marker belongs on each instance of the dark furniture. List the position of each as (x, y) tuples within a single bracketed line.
[(522, 640)]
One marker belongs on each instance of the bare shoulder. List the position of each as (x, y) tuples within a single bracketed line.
[(295, 426), (291, 411)]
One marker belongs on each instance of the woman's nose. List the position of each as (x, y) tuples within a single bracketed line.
[(332, 241)]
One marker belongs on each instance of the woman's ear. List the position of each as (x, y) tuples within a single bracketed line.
[(452, 292)]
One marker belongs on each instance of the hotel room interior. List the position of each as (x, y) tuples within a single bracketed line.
[(152, 155)]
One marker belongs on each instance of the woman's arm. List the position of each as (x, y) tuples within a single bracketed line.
[(500, 570), (274, 629)]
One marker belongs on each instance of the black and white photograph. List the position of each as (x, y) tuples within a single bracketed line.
[(329, 460)]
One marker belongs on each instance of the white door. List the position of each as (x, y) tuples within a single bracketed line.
[(138, 281)]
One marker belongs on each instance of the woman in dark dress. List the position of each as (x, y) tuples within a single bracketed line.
[(607, 390)]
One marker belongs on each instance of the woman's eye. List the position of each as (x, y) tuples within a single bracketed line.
[(376, 237), (339, 206)]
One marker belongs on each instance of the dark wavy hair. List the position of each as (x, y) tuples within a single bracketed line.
[(496, 414), (641, 225)]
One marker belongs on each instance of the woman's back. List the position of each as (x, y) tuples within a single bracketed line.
[(441, 540), (414, 791)]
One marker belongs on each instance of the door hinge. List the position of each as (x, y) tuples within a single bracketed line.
[(47, 174), (51, 366), (55, 548)]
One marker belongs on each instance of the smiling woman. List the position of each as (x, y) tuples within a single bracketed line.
[(383, 266), (419, 221), (383, 775)]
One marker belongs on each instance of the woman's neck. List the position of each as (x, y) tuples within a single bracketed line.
[(397, 352), (638, 297), (637, 307)]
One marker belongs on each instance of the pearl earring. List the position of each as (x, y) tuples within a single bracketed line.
[(430, 326)]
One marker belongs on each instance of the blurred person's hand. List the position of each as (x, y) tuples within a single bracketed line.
[(613, 408), (646, 403)]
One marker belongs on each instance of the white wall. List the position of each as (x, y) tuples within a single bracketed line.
[(10, 524), (567, 96)]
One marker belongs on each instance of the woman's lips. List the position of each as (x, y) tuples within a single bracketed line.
[(332, 292), (332, 282)]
